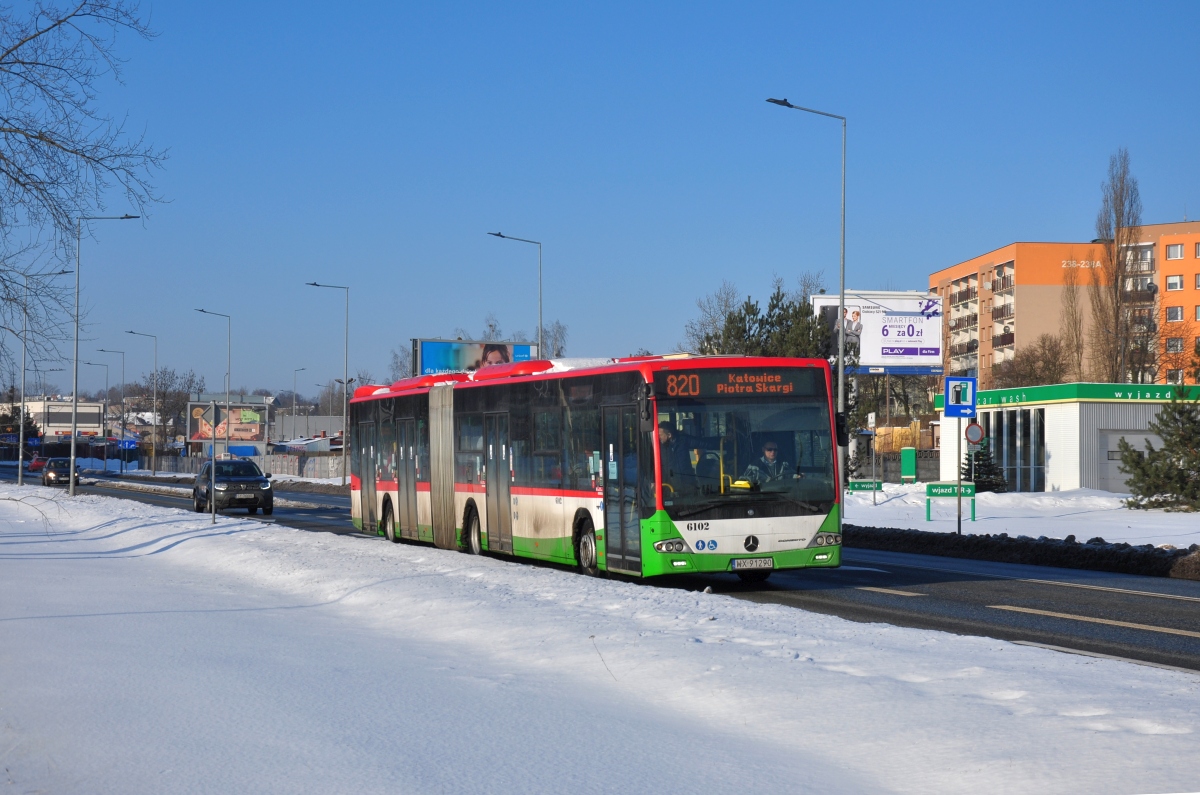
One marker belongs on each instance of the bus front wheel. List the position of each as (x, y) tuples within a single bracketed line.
[(585, 549)]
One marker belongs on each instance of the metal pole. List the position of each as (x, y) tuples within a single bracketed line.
[(958, 469), (841, 362), (228, 381), (873, 491), (154, 417), (541, 346), (24, 334), (212, 467), (345, 392), (121, 455), (75, 365)]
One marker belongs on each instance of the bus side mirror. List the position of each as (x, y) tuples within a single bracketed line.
[(843, 430), (646, 407)]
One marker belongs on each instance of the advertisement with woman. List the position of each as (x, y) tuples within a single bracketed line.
[(464, 356), (246, 425)]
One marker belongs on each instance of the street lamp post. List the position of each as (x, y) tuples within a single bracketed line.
[(228, 379), (122, 455), (541, 350), (154, 405), (841, 361), (346, 379), (75, 367), (24, 338), (298, 369), (104, 415)]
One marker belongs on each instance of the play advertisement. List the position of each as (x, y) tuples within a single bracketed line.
[(463, 356), (246, 424), (890, 329)]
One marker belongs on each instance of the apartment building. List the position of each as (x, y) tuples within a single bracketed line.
[(999, 302)]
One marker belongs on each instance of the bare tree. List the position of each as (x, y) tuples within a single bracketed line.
[(60, 155), (554, 337), (1071, 330), (1113, 287), (1046, 361), (400, 364), (714, 308), (174, 392)]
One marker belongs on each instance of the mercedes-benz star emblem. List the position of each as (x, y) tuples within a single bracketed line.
[(751, 543)]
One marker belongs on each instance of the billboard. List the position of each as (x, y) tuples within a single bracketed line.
[(896, 332), (431, 357), (247, 422)]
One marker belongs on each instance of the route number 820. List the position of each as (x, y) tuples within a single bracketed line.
[(683, 385)]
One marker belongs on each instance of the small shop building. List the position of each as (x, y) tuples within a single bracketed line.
[(1061, 436)]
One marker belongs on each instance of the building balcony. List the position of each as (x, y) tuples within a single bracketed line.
[(1004, 340), (1002, 284), (962, 296), (964, 321), (964, 348), (1139, 296), (1003, 311)]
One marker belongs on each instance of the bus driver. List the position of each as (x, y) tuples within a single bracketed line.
[(769, 468)]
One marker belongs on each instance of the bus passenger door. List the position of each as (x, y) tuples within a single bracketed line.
[(622, 527), (406, 475), (498, 454), (367, 452)]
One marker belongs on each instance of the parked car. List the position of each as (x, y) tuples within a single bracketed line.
[(57, 471), (37, 463), (240, 484)]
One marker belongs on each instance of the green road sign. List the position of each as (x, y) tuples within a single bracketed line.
[(865, 485), (948, 490)]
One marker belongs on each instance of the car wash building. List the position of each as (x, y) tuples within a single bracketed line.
[(1061, 436)]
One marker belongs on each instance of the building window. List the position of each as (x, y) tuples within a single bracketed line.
[(1175, 345), (1175, 251), (1174, 376), (1198, 251), (1175, 282), (1198, 281), (1174, 314)]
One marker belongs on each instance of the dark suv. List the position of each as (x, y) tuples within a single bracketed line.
[(240, 484), (57, 471)]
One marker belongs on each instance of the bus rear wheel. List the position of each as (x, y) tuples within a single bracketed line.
[(754, 575), (585, 549), (474, 539), (389, 524)]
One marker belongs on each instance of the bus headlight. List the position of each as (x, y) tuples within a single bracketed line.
[(670, 546), (826, 540)]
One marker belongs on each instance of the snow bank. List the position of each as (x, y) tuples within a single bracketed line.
[(146, 650), (1083, 513)]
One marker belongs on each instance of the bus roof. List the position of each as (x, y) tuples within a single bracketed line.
[(549, 369)]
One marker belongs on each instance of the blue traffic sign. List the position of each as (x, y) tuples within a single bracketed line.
[(960, 396), (127, 444)]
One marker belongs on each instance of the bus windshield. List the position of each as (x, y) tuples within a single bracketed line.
[(738, 457)]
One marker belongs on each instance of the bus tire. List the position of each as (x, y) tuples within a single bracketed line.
[(754, 575), (474, 539), (389, 524), (585, 548)]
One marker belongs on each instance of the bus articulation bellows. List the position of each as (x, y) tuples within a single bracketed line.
[(643, 466)]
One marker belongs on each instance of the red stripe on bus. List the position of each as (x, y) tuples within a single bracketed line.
[(528, 491)]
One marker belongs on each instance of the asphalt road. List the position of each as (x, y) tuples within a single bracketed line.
[(1146, 619)]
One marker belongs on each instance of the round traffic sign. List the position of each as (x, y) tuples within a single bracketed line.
[(974, 433)]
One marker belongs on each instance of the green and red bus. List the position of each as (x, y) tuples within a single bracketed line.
[(643, 466)]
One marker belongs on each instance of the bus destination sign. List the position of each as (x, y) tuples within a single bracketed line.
[(739, 382)]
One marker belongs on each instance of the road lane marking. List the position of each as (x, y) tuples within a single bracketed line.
[(1044, 582), (862, 568), (1089, 619), (1066, 650), (888, 591)]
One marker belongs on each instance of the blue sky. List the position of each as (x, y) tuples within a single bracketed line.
[(376, 147)]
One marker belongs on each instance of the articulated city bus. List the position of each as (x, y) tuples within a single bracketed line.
[(643, 466)]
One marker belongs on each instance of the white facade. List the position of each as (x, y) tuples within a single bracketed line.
[(1072, 438)]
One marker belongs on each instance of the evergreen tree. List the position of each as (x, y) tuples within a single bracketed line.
[(988, 475), (1169, 476), (10, 422)]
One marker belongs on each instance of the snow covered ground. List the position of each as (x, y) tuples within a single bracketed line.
[(144, 650), (1084, 513)]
